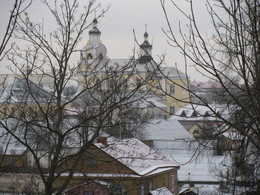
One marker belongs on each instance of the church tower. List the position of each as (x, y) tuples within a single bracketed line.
[(145, 50), (93, 54)]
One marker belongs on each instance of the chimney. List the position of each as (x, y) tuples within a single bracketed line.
[(102, 140)]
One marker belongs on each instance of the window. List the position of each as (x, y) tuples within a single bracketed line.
[(89, 193), (4, 112), (164, 181), (101, 56), (172, 89), (194, 114), (172, 110), (150, 186), (9, 160), (89, 57), (183, 114), (98, 84), (156, 184), (30, 111), (92, 161), (81, 55), (172, 183), (110, 84), (21, 111), (18, 84), (142, 189), (138, 83), (122, 190), (125, 84), (206, 114), (157, 87), (118, 190), (12, 111)]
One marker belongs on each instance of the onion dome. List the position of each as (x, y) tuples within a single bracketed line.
[(145, 50), (146, 43), (95, 30)]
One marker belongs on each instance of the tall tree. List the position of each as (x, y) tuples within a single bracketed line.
[(54, 128), (230, 58), (18, 8)]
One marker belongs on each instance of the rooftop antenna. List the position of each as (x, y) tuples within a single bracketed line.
[(145, 27)]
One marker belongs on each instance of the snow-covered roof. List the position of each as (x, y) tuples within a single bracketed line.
[(137, 156), (207, 84), (193, 112), (161, 191), (25, 133), (172, 72), (204, 168), (150, 101), (171, 139), (169, 129), (117, 63), (21, 90)]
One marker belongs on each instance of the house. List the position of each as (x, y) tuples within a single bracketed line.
[(126, 165), (43, 80), (23, 97), (212, 91), (192, 114), (16, 180), (199, 169), (18, 175), (114, 166), (203, 123)]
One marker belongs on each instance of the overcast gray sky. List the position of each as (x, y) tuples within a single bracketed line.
[(118, 24)]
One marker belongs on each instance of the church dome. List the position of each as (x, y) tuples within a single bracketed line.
[(145, 50), (94, 29), (146, 43)]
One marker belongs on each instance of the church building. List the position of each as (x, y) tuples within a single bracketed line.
[(167, 83)]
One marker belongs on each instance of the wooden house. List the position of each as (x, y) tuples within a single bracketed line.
[(128, 166)]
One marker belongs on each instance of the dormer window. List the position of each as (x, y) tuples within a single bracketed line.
[(194, 114), (89, 57), (218, 114), (183, 114), (206, 114)]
